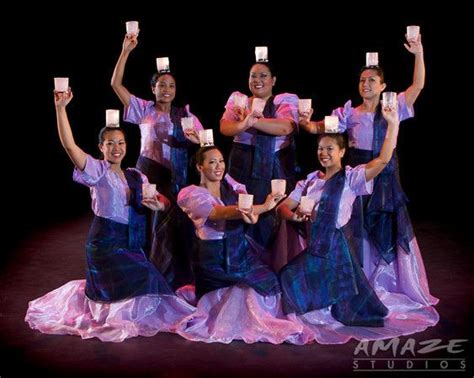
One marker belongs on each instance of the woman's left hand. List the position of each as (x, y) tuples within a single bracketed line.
[(157, 203), (414, 45), (273, 199), (249, 216), (192, 135)]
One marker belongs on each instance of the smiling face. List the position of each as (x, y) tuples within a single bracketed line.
[(212, 166), (113, 146), (371, 84), (330, 152), (261, 81), (165, 89)]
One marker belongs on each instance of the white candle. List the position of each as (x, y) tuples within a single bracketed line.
[(132, 27), (307, 204), (163, 64), (61, 84), (258, 105), (389, 99), (331, 124), (278, 186), (240, 101), (206, 138), (112, 118), (187, 123), (261, 53), (148, 190), (412, 32), (372, 59), (245, 201), (304, 105)]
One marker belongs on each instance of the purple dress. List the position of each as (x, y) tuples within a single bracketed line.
[(164, 158), (145, 306), (406, 315), (238, 308), (403, 272), (256, 158)]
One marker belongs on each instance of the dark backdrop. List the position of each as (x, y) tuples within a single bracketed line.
[(316, 54)]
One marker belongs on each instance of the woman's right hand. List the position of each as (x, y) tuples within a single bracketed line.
[(248, 215), (272, 200), (305, 117), (239, 113), (391, 113), (251, 119), (61, 99), (129, 42), (299, 216)]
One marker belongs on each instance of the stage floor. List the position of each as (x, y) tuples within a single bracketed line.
[(53, 255)]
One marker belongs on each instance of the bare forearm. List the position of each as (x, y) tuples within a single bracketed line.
[(284, 212), (260, 209), (117, 79), (419, 71), (77, 156), (232, 128), (275, 126), (313, 127), (418, 83), (375, 166), (225, 213)]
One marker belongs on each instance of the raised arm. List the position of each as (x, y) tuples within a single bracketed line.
[(76, 154), (129, 43), (375, 166), (416, 48)]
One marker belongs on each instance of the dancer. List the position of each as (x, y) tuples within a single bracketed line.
[(164, 160), (123, 294)]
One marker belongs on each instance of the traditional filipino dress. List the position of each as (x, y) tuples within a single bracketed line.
[(238, 295), (381, 226), (256, 158), (123, 294), (164, 159), (325, 284)]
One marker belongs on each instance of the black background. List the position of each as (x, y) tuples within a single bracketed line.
[(317, 54)]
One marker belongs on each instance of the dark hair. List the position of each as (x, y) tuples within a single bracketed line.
[(199, 157), (108, 129), (376, 69), (157, 75), (338, 137), (266, 64)]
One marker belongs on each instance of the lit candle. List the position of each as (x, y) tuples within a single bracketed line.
[(389, 99), (412, 32), (148, 190), (132, 27), (163, 64), (331, 124), (304, 105), (112, 118), (261, 53), (245, 201), (258, 105), (307, 204), (372, 59), (187, 123), (206, 138), (278, 186), (61, 84)]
